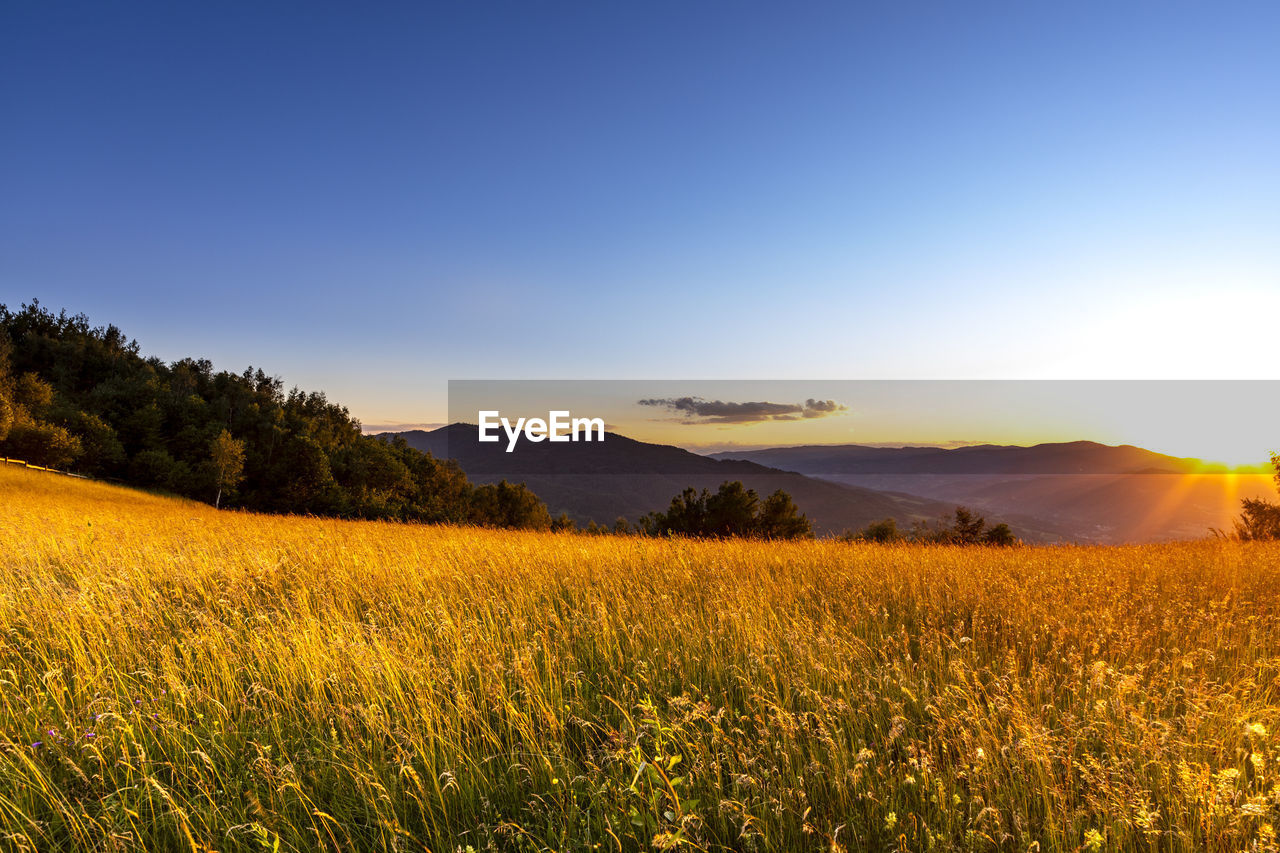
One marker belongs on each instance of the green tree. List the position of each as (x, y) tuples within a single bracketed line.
[(780, 518), (508, 505), (1259, 518), (226, 454), (880, 531)]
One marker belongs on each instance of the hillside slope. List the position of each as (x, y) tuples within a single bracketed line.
[(601, 481)]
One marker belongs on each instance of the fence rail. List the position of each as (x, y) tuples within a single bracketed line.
[(25, 464)]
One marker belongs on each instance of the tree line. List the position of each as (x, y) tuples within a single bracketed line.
[(83, 398)]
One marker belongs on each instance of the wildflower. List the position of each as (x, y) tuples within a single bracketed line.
[(1256, 729), (1093, 840), (890, 820), (37, 744)]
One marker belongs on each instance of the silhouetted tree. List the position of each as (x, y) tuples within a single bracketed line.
[(733, 510), (965, 528), (1259, 518)]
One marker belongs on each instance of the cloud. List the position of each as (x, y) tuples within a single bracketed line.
[(372, 429), (947, 444), (696, 410)]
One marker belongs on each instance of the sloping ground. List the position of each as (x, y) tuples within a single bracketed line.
[(175, 678)]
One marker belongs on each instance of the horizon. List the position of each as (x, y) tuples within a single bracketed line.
[(1214, 466), (1138, 413)]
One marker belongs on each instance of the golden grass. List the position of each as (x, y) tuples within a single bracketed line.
[(200, 680)]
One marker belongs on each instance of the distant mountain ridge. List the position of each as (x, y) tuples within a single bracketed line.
[(600, 481), (1073, 457), (1083, 490)]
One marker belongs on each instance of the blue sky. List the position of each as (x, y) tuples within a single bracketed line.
[(371, 201)]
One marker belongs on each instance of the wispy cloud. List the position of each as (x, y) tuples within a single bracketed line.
[(696, 410), (370, 429)]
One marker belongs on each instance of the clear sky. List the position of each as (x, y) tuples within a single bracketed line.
[(371, 199)]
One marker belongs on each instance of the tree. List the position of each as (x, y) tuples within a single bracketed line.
[(967, 529), (963, 528), (1001, 534), (41, 443), (226, 454), (508, 505), (879, 531), (733, 511), (1259, 518), (780, 518), (6, 402)]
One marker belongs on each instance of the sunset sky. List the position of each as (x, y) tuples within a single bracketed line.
[(373, 200), (1179, 418)]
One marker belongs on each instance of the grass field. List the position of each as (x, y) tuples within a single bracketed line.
[(175, 678)]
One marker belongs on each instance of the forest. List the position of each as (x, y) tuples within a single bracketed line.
[(83, 398)]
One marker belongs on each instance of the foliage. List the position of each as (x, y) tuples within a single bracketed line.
[(964, 528), (76, 396), (733, 511), (884, 532), (226, 457), (176, 678), (1259, 518)]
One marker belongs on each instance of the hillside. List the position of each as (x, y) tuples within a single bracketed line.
[(1083, 490), (601, 481), (181, 678)]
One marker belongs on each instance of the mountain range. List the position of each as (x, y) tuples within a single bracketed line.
[(1083, 490), (621, 477), (1075, 491)]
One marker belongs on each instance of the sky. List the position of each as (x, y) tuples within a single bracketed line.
[(373, 200), (1183, 418)]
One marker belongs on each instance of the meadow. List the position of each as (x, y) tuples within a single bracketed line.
[(177, 678)]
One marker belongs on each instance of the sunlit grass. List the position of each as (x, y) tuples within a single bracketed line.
[(176, 678)]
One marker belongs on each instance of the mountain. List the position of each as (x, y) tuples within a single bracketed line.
[(1075, 457), (620, 476), (1083, 490)]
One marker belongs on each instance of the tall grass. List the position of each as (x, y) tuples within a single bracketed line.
[(174, 678)]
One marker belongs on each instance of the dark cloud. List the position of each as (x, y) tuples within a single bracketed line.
[(820, 408), (695, 410)]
